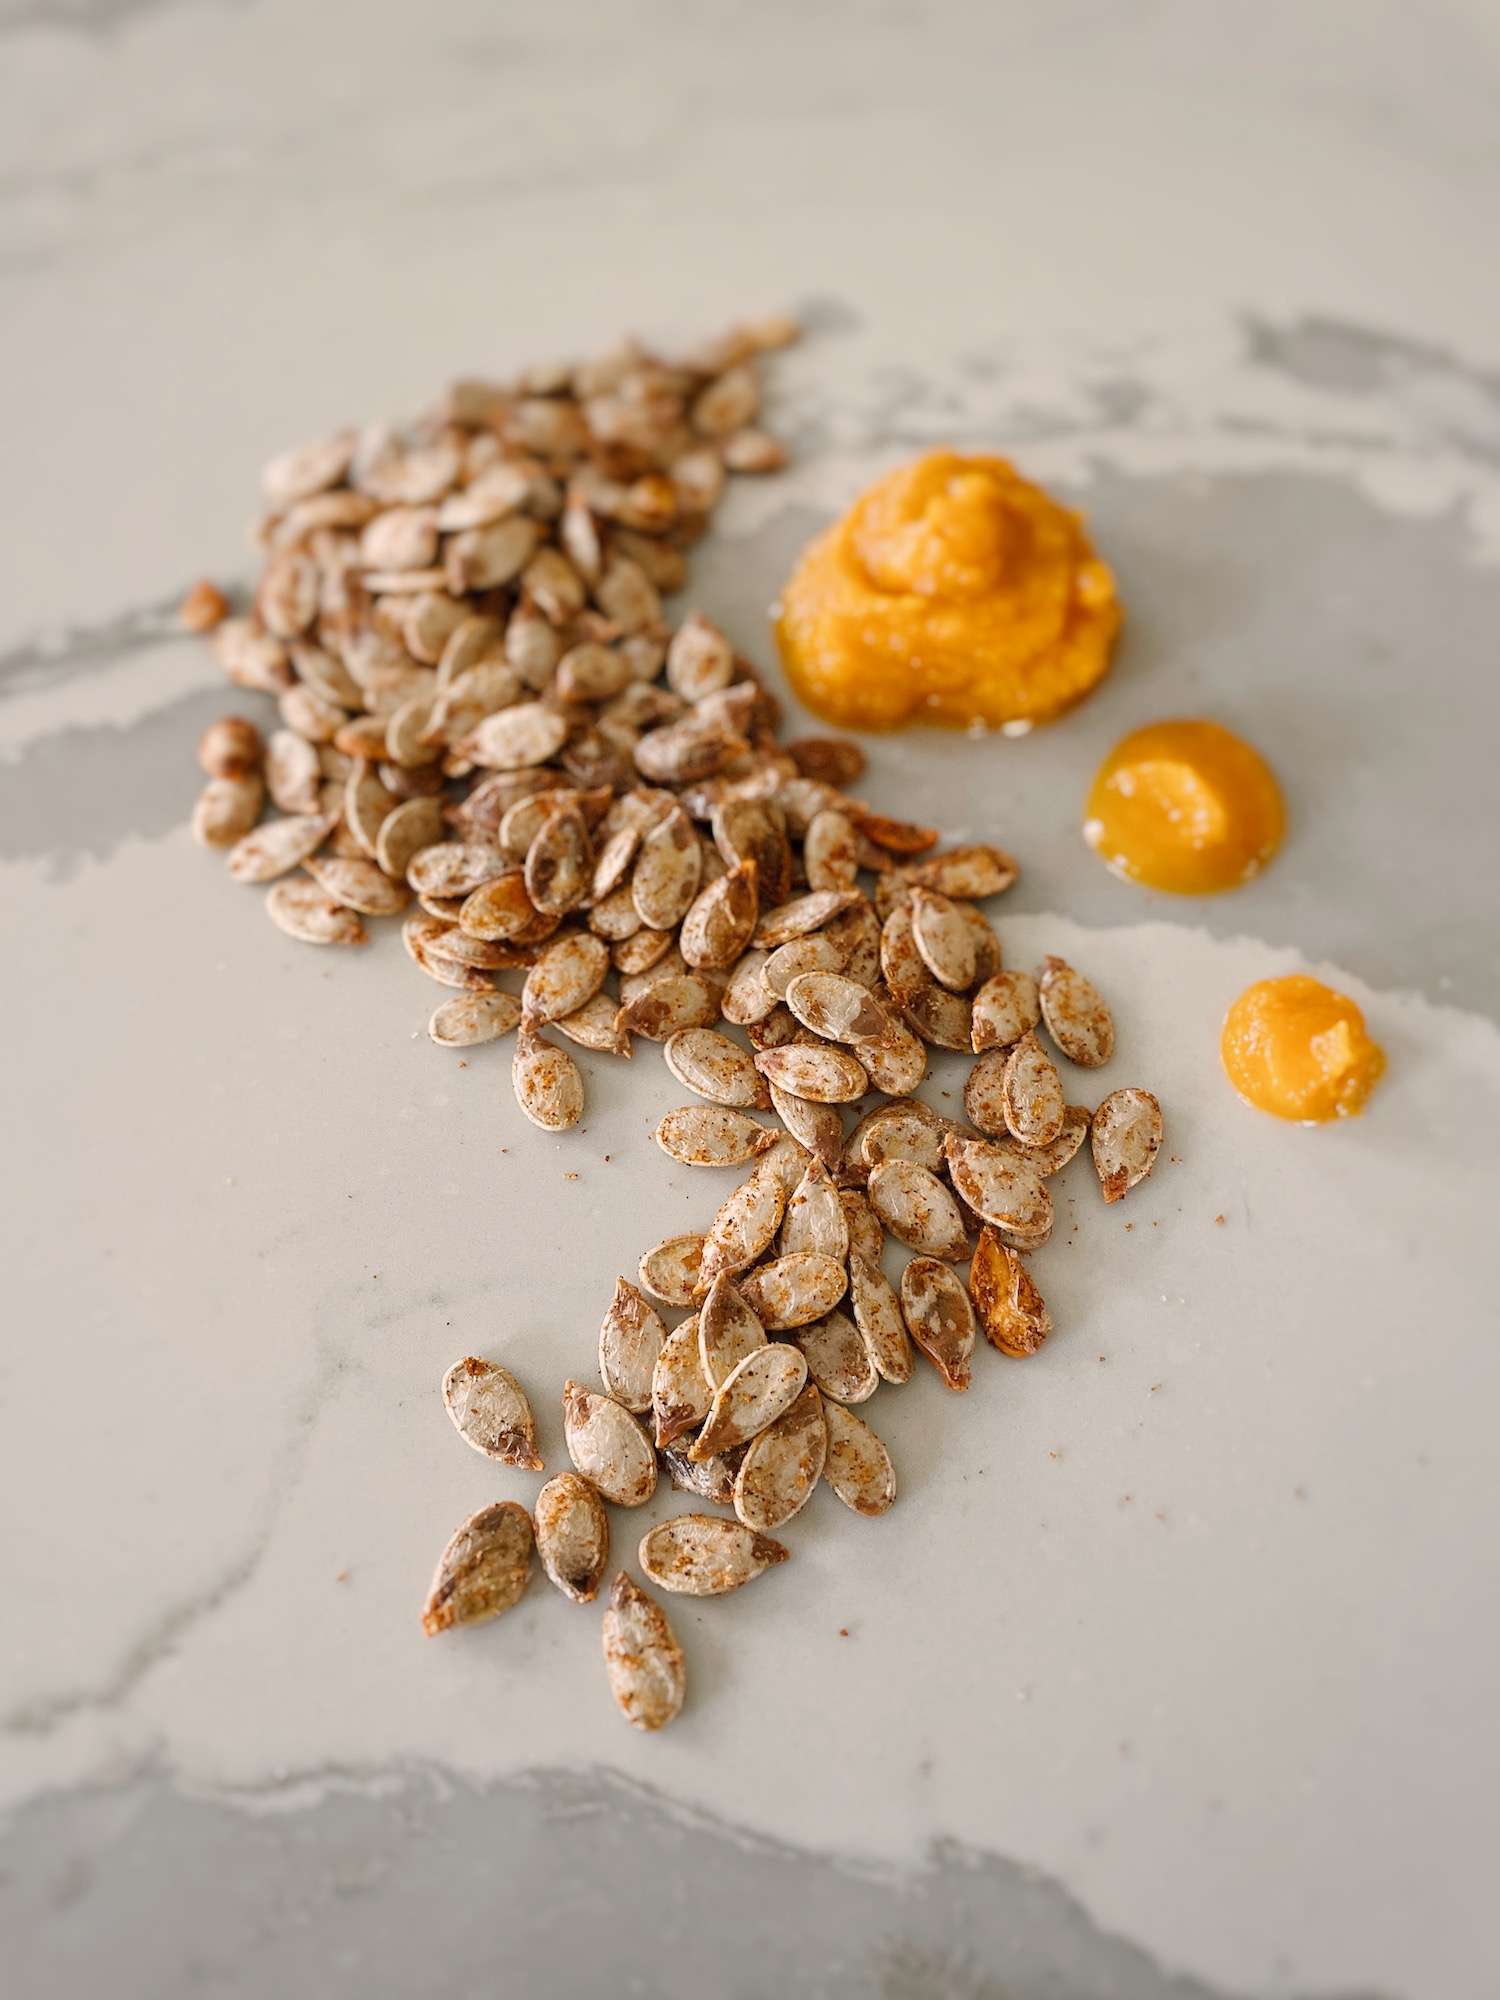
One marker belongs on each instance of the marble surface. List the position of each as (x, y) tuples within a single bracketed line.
[(1172, 1674)]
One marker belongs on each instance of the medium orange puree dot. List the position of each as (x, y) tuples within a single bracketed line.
[(1186, 807), (1299, 1050)]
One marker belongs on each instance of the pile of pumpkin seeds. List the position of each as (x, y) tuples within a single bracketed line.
[(485, 712)]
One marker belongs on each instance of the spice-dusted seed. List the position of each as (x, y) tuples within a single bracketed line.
[(1010, 1309), (1075, 1014), (667, 872), (984, 1093), (675, 1001), (801, 915), (750, 830), (518, 738), (647, 1673), (490, 1412), (367, 804), (815, 1218), (612, 864), (230, 747), (630, 1343), (1006, 1007), (747, 999), (703, 1555), (939, 1318), (410, 740), (764, 1384), (471, 1018), (877, 1314), (404, 831), (988, 957), (683, 752), (858, 1466), (423, 938), (699, 658), (818, 1127), (1032, 1094), (832, 760), (499, 909), (968, 873), (904, 1130), (456, 867), (716, 1068), (793, 1290), (774, 1032), (721, 919), (670, 1270), (895, 1061), (680, 1391), (782, 1465), (608, 1446), (560, 862), (803, 956), (1002, 1188), (900, 961), (662, 961), (709, 1135), (299, 907), (866, 1237), (548, 1085), (572, 1536), (942, 1018), (819, 1074), (567, 974), (1127, 1134), (727, 1331), (943, 940), (830, 852), (591, 673), (227, 808), (596, 1025), (835, 1006), (917, 1209), (490, 954), (898, 836), (293, 774), (483, 1571), (358, 884), (838, 1360), (278, 846)]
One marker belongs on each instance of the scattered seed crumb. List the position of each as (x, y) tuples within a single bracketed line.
[(204, 607), (462, 1064), (1299, 1492), (342, 1576), (1161, 1516), (570, 1177), (1055, 1454), (843, 1631), (1126, 1499), (1220, 1220), (1154, 1387)]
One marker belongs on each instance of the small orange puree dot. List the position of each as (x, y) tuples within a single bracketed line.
[(1299, 1050), (952, 592), (1186, 807)]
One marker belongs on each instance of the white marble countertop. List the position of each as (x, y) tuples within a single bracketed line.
[(1171, 1676)]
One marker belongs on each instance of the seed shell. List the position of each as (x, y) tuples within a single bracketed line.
[(1127, 1134), (866, 1236), (917, 1209), (708, 1135), (794, 1290), (727, 1331), (300, 908), (838, 1359), (815, 1218), (720, 921), (670, 1270), (858, 1466), (968, 873), (1075, 1014), (472, 1018), (745, 1223), (1010, 1309), (703, 1555), (644, 1663), (572, 1536), (491, 1413), (939, 1318), (802, 914), (681, 1394), (630, 1344), (548, 1083), (877, 1314), (782, 1465), (1006, 1007), (278, 846), (716, 1068), (566, 976), (608, 1446), (943, 940), (767, 1382), (1002, 1188), (1031, 1094), (818, 1074), (483, 1570)]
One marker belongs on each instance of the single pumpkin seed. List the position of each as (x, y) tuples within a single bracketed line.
[(228, 808), (572, 1536), (764, 1384), (703, 1555), (906, 1130), (471, 1018), (858, 1466), (721, 919), (279, 846), (669, 1003), (644, 1663), (830, 851), (667, 871), (968, 873), (1127, 1134), (547, 1082), (939, 1318), (300, 908), (709, 1135), (877, 1314), (293, 774), (490, 1412), (835, 1006), (984, 1093), (745, 1222), (917, 1209), (943, 940), (866, 1237), (716, 1068), (596, 1025), (680, 1391), (838, 1359), (567, 974), (801, 915), (819, 1074), (1032, 1094), (817, 1127), (1006, 1007), (782, 1465), (608, 1446), (455, 867), (670, 1270), (483, 1570), (727, 1331), (518, 738), (747, 998), (358, 884), (1002, 1188), (795, 960), (793, 1290), (560, 862), (1055, 1155), (815, 1218), (630, 1343), (1010, 1309), (1075, 1014), (404, 831)]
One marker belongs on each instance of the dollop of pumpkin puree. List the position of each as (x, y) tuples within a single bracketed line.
[(953, 592)]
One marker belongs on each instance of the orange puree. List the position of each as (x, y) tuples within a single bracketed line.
[(953, 592), (1299, 1050), (1184, 806)]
